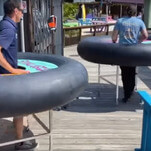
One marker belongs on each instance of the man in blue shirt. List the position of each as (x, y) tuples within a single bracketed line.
[(8, 55), (8, 40), (131, 31)]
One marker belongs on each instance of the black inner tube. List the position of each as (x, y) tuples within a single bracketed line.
[(41, 91), (101, 50)]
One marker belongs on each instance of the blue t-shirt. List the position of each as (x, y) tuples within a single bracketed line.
[(129, 30), (8, 42)]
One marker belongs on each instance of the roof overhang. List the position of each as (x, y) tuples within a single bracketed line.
[(129, 1)]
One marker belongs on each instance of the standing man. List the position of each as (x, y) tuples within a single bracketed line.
[(8, 56), (131, 31)]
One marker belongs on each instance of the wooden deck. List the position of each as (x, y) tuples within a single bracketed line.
[(93, 122)]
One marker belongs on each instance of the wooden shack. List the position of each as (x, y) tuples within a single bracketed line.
[(35, 34)]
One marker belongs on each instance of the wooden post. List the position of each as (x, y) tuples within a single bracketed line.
[(147, 13), (1, 8), (52, 32), (107, 29), (58, 34), (28, 28), (121, 10), (107, 9)]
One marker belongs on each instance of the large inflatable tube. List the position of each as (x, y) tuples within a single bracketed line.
[(36, 92), (101, 50)]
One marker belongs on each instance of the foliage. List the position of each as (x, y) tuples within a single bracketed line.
[(72, 33), (71, 1), (69, 11)]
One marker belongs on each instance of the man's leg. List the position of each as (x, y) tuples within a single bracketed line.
[(19, 126), (128, 79), (132, 71), (18, 123)]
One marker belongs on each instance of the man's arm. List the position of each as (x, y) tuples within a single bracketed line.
[(144, 35), (114, 36), (8, 67)]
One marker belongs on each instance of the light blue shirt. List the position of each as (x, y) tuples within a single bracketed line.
[(129, 30)]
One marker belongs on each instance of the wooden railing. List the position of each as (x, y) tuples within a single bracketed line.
[(146, 129), (93, 28)]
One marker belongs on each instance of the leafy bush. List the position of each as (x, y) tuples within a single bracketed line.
[(69, 11)]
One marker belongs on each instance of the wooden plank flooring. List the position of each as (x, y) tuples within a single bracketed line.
[(93, 122)]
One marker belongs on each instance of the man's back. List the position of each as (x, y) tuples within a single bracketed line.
[(129, 30)]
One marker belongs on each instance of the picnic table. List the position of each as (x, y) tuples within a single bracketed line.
[(93, 28)]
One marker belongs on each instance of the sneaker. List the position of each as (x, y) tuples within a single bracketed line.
[(26, 129), (27, 145), (125, 100)]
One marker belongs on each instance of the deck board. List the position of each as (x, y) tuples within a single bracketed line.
[(93, 122)]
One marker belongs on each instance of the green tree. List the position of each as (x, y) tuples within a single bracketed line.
[(70, 11)]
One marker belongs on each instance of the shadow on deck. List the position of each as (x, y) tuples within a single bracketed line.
[(99, 98)]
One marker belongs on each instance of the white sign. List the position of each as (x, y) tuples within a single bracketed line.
[(24, 5)]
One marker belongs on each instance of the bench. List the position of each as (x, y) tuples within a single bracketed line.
[(146, 129)]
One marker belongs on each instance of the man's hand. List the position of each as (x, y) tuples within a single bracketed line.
[(144, 35), (114, 36), (19, 71), (8, 67)]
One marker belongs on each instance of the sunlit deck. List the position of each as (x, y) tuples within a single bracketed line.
[(93, 122)]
